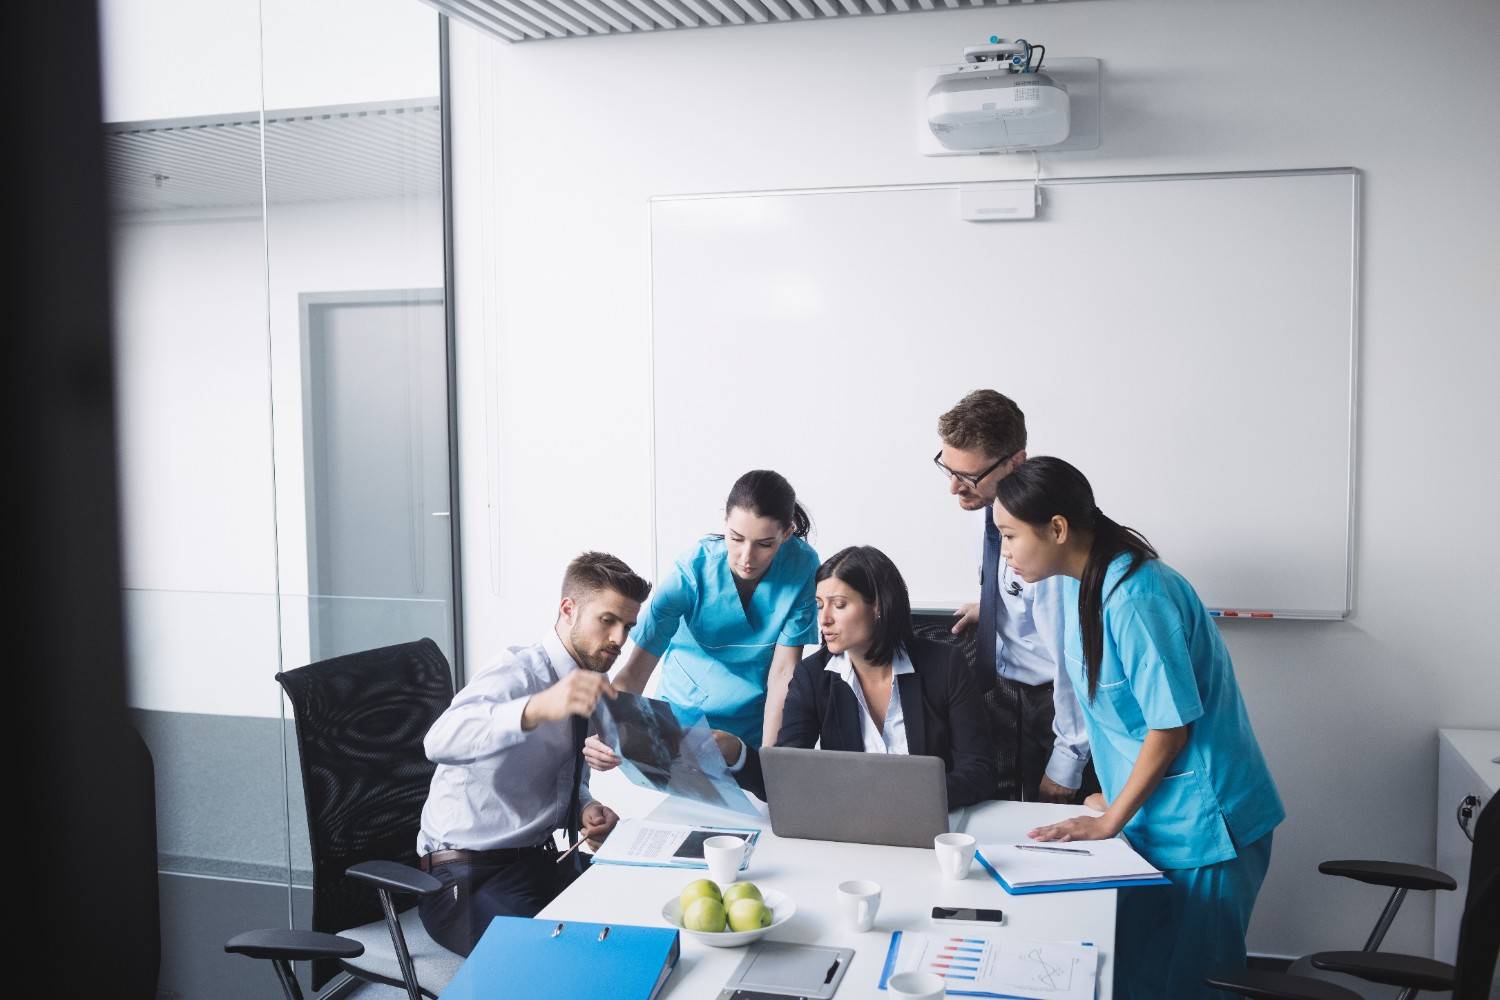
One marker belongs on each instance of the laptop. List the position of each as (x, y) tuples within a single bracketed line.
[(857, 798)]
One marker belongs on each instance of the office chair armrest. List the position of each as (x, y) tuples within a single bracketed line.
[(1265, 985), (1392, 874), (1388, 969), (395, 876), (293, 946), (388, 877)]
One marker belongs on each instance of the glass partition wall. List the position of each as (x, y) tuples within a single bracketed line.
[(284, 413)]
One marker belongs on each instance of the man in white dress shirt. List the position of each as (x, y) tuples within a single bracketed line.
[(1040, 735), (510, 766)]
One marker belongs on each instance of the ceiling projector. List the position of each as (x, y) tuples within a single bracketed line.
[(998, 100)]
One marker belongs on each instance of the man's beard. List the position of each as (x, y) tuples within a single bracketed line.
[(592, 659)]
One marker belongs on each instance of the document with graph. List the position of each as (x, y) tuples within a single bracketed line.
[(997, 964)]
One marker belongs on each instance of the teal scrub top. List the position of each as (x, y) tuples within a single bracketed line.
[(716, 655), (1164, 666)]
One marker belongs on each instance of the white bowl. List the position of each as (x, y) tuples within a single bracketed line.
[(781, 906)]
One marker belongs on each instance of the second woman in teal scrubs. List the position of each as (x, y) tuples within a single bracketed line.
[(729, 622), (1183, 776)]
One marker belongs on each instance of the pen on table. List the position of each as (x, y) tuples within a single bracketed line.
[(1053, 850), (570, 850)]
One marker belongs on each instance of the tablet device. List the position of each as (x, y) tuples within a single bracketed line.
[(775, 970)]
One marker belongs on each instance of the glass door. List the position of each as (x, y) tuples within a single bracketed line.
[(275, 174)]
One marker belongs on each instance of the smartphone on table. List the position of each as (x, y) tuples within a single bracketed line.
[(966, 915)]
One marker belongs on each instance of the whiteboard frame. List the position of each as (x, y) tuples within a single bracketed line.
[(1355, 276)]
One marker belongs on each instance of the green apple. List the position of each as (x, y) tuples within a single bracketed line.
[(701, 889), (741, 890), (704, 914), (748, 915)]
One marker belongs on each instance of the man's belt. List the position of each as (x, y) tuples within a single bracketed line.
[(498, 856)]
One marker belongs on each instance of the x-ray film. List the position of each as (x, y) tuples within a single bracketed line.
[(670, 749)]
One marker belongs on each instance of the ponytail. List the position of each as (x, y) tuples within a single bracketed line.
[(768, 494), (801, 522), (1042, 488), (1110, 539)]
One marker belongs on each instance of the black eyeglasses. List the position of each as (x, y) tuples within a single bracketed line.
[(970, 480)]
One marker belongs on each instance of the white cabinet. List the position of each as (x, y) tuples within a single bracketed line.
[(1467, 768)]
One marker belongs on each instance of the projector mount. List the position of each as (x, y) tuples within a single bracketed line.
[(1015, 55)]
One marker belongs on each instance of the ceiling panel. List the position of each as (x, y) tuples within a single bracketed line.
[(536, 20), (311, 154)]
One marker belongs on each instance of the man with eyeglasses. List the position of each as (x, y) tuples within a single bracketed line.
[(1041, 744)]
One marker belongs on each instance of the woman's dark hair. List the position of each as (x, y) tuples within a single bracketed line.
[(875, 578), (1041, 488), (768, 494)]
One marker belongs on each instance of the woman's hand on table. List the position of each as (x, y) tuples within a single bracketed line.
[(1077, 828)]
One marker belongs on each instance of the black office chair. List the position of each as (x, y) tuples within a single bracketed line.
[(938, 627), (1260, 984), (1471, 977), (360, 721), (283, 947)]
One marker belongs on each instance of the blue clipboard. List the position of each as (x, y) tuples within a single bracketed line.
[(566, 960)]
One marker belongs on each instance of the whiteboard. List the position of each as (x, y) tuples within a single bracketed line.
[(1188, 341)]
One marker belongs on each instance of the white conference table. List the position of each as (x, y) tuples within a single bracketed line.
[(809, 870)]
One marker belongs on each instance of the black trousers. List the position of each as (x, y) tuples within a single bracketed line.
[(474, 893), (1020, 717)]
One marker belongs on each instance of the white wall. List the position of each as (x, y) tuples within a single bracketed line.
[(201, 529), (559, 144)]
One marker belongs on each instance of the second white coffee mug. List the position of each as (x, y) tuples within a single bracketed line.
[(858, 901), (955, 853)]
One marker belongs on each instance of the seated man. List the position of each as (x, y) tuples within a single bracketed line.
[(510, 768)]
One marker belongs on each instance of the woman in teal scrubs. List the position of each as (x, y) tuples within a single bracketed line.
[(1183, 776), (729, 622)]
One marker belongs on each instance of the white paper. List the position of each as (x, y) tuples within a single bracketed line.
[(667, 845), (1106, 861), (997, 964)]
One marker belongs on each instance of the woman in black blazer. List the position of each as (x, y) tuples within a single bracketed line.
[(874, 686)]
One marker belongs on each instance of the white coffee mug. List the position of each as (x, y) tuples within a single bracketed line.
[(724, 855), (955, 854), (859, 900), (916, 986)]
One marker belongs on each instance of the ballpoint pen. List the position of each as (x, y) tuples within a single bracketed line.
[(1054, 850)]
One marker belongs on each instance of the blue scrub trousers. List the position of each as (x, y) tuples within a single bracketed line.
[(1168, 937)]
